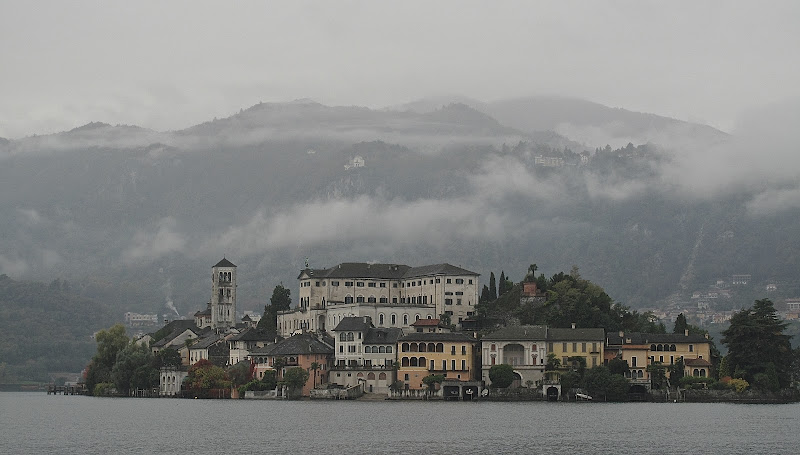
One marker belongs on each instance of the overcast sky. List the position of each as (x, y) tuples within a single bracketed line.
[(169, 65)]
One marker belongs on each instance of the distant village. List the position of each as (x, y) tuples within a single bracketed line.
[(381, 329)]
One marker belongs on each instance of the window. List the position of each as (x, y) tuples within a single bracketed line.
[(459, 293), (448, 301), (463, 365), (594, 347), (341, 347), (419, 283), (494, 347), (448, 293), (316, 283), (351, 349), (405, 319), (564, 347), (389, 351), (463, 350), (574, 347), (394, 285), (458, 301), (633, 362), (360, 299), (348, 284), (383, 285), (384, 300), (448, 281), (671, 359), (438, 280), (394, 319), (367, 350), (334, 283), (453, 364), (583, 347), (350, 336), (470, 281), (372, 285), (394, 299), (359, 284), (550, 347), (371, 299), (406, 377), (444, 365), (691, 348), (453, 350), (661, 358), (342, 336), (459, 281)]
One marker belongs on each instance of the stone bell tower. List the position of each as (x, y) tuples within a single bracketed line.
[(223, 295)]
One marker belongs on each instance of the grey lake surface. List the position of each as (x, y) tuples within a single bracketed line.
[(37, 423)]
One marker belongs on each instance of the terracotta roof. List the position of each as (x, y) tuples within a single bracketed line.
[(225, 263), (425, 323), (428, 336)]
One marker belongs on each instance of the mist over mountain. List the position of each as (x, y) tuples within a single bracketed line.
[(135, 218)]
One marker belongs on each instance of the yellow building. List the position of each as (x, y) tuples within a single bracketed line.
[(423, 354), (586, 343)]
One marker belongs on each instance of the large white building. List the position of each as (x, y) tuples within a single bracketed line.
[(392, 295)]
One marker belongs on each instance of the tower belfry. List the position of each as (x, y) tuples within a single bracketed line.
[(223, 295)]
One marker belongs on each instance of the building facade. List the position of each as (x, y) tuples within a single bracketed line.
[(223, 295), (524, 347), (421, 354), (392, 295)]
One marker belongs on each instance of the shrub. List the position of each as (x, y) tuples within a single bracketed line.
[(739, 384)]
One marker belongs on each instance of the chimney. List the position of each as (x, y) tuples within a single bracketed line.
[(573, 325), (686, 332), (621, 334), (707, 336)]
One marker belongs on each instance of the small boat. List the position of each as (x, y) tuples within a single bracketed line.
[(583, 396)]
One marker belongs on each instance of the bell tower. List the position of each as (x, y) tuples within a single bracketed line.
[(223, 295)]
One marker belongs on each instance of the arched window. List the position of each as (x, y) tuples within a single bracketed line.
[(380, 319), (672, 347), (439, 347), (422, 347), (348, 299), (360, 299), (350, 336), (702, 373), (404, 347), (405, 319), (652, 347), (342, 336), (367, 350), (381, 350), (414, 362), (394, 320), (422, 362), (404, 362), (388, 349), (429, 317), (414, 347), (696, 372), (641, 374), (431, 347), (371, 299), (371, 376), (382, 376), (416, 317)]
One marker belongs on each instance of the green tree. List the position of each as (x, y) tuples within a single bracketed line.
[(486, 296), (570, 380), (134, 370), (204, 375), (281, 298), (240, 374), (676, 372), (618, 366), (492, 286), (531, 275), (553, 363), (167, 357), (278, 365), (295, 378), (724, 368), (755, 339), (269, 380), (502, 285), (431, 380), (578, 364), (680, 324), (109, 343), (314, 367), (658, 374), (501, 376)]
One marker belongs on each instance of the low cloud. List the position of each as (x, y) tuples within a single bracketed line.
[(13, 267), (149, 245)]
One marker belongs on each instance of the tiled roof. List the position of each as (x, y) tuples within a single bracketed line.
[(225, 263), (299, 344), (428, 336), (353, 324), (696, 363), (365, 270), (383, 335), (425, 323), (206, 312), (575, 334), (255, 335), (205, 342), (654, 338), (437, 269), (519, 333)]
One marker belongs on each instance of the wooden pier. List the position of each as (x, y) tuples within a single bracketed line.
[(72, 389)]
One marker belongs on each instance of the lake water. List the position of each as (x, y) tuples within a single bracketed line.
[(38, 423)]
